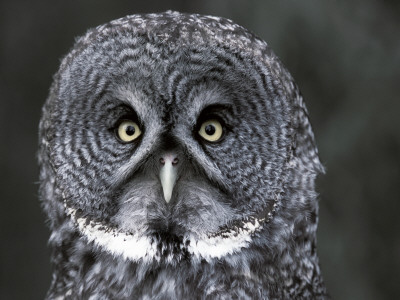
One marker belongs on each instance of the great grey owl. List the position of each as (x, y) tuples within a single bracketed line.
[(177, 161)]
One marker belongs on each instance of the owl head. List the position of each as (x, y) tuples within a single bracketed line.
[(170, 137)]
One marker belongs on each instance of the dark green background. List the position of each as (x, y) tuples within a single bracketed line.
[(345, 56)]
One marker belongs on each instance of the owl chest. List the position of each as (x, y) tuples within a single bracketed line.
[(185, 282)]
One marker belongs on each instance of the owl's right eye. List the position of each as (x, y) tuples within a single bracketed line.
[(128, 131)]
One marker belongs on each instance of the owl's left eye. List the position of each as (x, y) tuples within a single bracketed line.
[(211, 130), (128, 131)]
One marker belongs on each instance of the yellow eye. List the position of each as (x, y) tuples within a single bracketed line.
[(128, 131), (211, 130)]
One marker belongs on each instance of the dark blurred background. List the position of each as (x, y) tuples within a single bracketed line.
[(345, 56)]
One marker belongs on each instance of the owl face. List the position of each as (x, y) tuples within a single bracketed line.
[(163, 149)]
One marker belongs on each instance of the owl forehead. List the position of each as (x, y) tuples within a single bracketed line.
[(178, 30), (142, 47), (140, 72)]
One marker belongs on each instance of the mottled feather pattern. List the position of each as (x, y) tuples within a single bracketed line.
[(242, 220)]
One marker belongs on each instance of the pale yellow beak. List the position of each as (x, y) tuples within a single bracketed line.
[(168, 174)]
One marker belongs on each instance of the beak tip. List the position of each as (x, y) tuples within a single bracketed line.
[(167, 198)]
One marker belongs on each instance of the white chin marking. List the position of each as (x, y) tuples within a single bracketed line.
[(137, 247)]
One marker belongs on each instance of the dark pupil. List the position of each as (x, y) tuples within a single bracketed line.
[(210, 129), (130, 130)]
